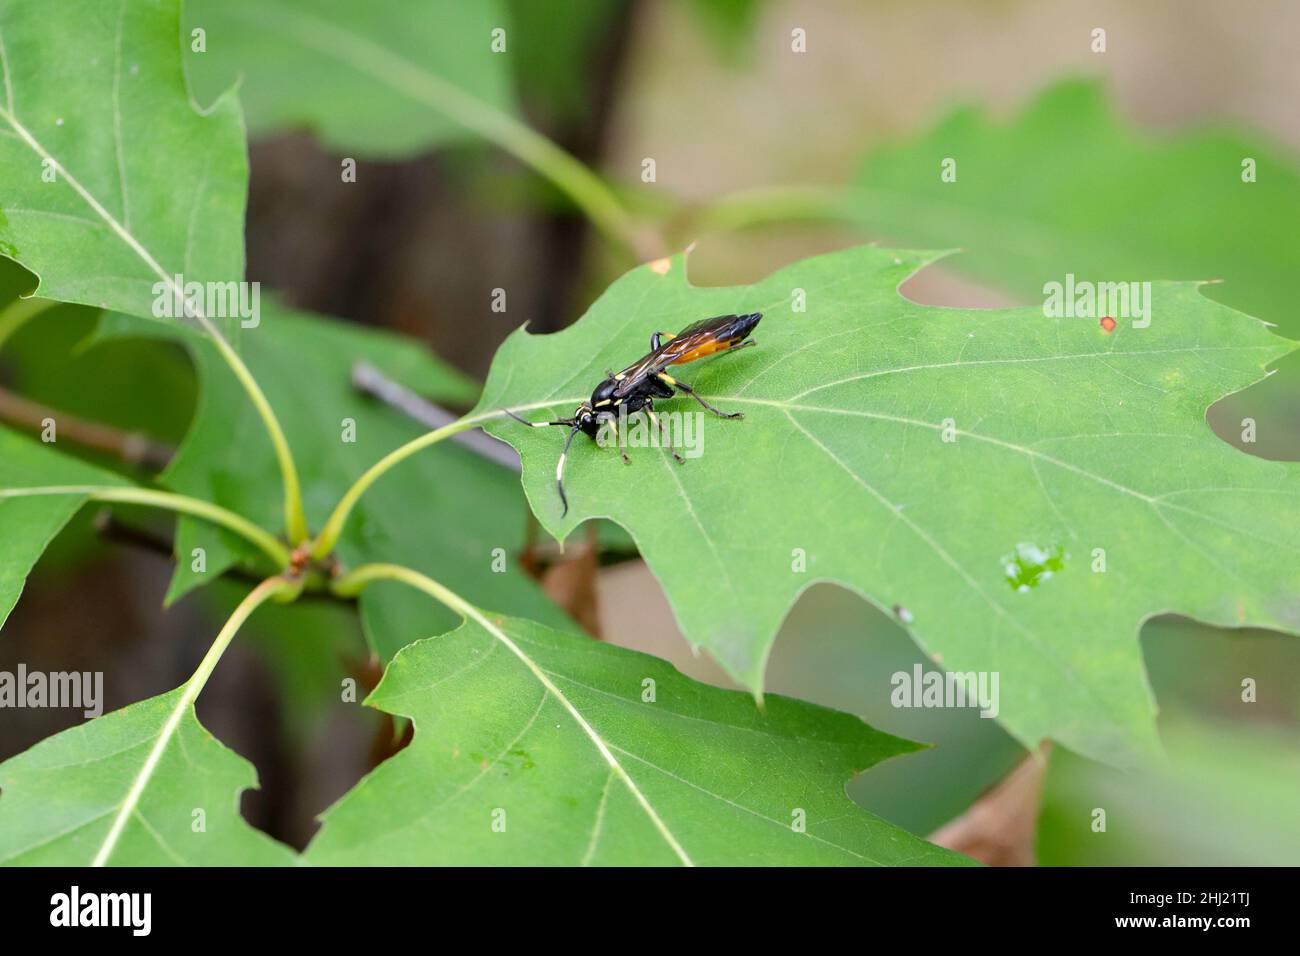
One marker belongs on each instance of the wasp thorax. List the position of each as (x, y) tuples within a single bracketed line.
[(604, 393)]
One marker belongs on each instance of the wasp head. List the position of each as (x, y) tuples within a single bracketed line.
[(586, 420)]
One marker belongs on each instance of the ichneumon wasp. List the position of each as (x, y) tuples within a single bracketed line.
[(636, 387)]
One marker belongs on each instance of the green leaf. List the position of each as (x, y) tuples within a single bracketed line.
[(388, 79), (145, 188), (310, 647), (1068, 187), (551, 735), (1225, 797), (60, 800), (49, 361), (1066, 439), (554, 49), (369, 79), (30, 523), (730, 24), (443, 512)]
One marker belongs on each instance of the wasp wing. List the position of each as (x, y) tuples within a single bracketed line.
[(693, 342)]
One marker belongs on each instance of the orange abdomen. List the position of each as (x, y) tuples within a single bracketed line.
[(708, 348)]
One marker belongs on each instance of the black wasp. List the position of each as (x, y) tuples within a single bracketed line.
[(636, 387)]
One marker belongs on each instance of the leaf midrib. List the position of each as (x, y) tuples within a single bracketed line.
[(122, 231), (602, 746)]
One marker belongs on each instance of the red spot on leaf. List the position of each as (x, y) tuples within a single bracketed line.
[(1107, 323)]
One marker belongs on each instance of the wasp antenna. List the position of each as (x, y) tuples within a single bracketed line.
[(565, 422), (520, 418), (559, 471)]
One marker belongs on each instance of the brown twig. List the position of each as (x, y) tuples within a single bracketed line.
[(109, 527), (571, 582), (133, 448), (999, 827), (369, 380)]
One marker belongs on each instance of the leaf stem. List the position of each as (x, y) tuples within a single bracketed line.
[(295, 519), (374, 383), (583, 187), (18, 312), (587, 191), (333, 528), (354, 582), (276, 587), (182, 504)]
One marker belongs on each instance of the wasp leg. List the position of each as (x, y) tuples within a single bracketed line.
[(659, 338), (669, 380), (663, 432), (618, 438)]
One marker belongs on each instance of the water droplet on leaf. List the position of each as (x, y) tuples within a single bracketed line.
[(1030, 565)]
